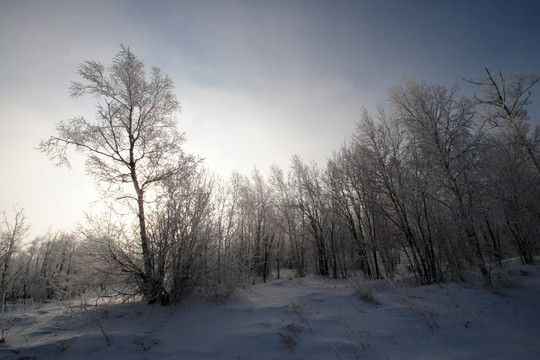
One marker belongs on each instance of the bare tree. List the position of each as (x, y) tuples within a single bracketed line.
[(506, 100), (382, 144), (133, 140), (260, 203), (291, 219), (515, 160), (311, 198), (439, 124), (180, 230), (355, 196), (11, 235)]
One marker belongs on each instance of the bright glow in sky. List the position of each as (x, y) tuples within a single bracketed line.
[(259, 81)]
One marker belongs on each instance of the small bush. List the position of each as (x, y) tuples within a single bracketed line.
[(363, 291)]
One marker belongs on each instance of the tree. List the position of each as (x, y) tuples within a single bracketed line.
[(290, 218), (506, 100), (260, 204), (380, 152), (515, 161), (11, 235), (439, 124), (133, 140), (180, 230), (311, 200)]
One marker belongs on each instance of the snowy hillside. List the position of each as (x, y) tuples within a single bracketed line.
[(309, 318)]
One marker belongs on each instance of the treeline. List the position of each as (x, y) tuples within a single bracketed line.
[(432, 186)]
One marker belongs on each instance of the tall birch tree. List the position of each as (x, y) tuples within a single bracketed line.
[(132, 144)]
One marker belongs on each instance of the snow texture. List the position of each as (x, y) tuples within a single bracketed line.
[(308, 318)]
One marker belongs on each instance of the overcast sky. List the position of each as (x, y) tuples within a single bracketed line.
[(259, 81)]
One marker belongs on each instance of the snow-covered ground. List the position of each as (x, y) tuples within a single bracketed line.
[(309, 318)]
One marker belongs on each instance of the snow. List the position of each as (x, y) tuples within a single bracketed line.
[(308, 318)]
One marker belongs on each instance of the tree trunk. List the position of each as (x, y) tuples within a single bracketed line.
[(151, 287), (148, 287)]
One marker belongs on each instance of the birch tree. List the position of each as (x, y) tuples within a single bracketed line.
[(133, 143)]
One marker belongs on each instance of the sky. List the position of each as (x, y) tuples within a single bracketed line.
[(258, 81)]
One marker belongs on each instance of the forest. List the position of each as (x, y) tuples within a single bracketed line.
[(436, 183)]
